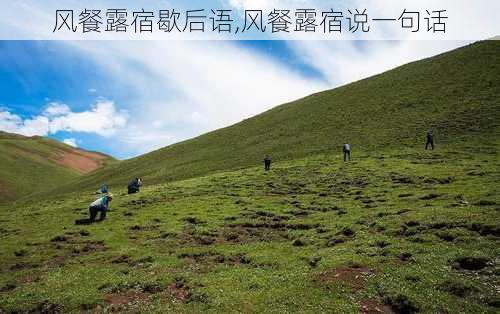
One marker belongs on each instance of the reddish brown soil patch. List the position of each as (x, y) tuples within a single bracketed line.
[(73, 158), (125, 259), (81, 161), (4, 191), (29, 278), (143, 228), (123, 299), (94, 246), (404, 257), (372, 306), (179, 291), (59, 261), (350, 276)]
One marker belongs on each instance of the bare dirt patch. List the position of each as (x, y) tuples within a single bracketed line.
[(353, 277), (372, 306), (126, 259), (179, 291), (81, 161), (121, 300)]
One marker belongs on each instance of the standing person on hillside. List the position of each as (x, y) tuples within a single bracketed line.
[(99, 205), (134, 185), (267, 163), (347, 152), (430, 140)]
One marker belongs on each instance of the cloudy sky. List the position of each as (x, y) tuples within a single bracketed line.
[(127, 98)]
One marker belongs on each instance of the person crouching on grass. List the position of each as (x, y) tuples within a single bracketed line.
[(99, 205)]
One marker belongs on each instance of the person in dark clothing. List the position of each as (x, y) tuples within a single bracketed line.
[(430, 140), (347, 152), (134, 185), (267, 163), (99, 205)]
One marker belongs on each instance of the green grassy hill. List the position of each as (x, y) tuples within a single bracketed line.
[(396, 230), (399, 231), (33, 164), (456, 94)]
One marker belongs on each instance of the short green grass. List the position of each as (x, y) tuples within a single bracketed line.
[(400, 230), (22, 160)]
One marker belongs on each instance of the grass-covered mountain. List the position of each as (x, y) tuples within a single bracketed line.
[(33, 164), (455, 94)]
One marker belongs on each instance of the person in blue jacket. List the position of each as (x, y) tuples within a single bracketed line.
[(99, 205)]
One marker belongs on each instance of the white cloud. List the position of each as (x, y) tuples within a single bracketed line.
[(15, 124), (57, 109), (36, 126), (202, 86), (9, 122), (347, 61), (102, 119), (139, 138), (70, 142)]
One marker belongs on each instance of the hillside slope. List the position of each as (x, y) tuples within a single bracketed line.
[(456, 94), (399, 231), (31, 164)]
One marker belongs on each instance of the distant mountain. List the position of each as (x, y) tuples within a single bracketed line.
[(32, 164)]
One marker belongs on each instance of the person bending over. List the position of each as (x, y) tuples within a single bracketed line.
[(134, 185), (100, 205)]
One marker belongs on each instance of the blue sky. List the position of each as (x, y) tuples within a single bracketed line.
[(36, 74), (128, 98)]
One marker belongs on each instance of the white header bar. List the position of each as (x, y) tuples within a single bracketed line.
[(249, 20)]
